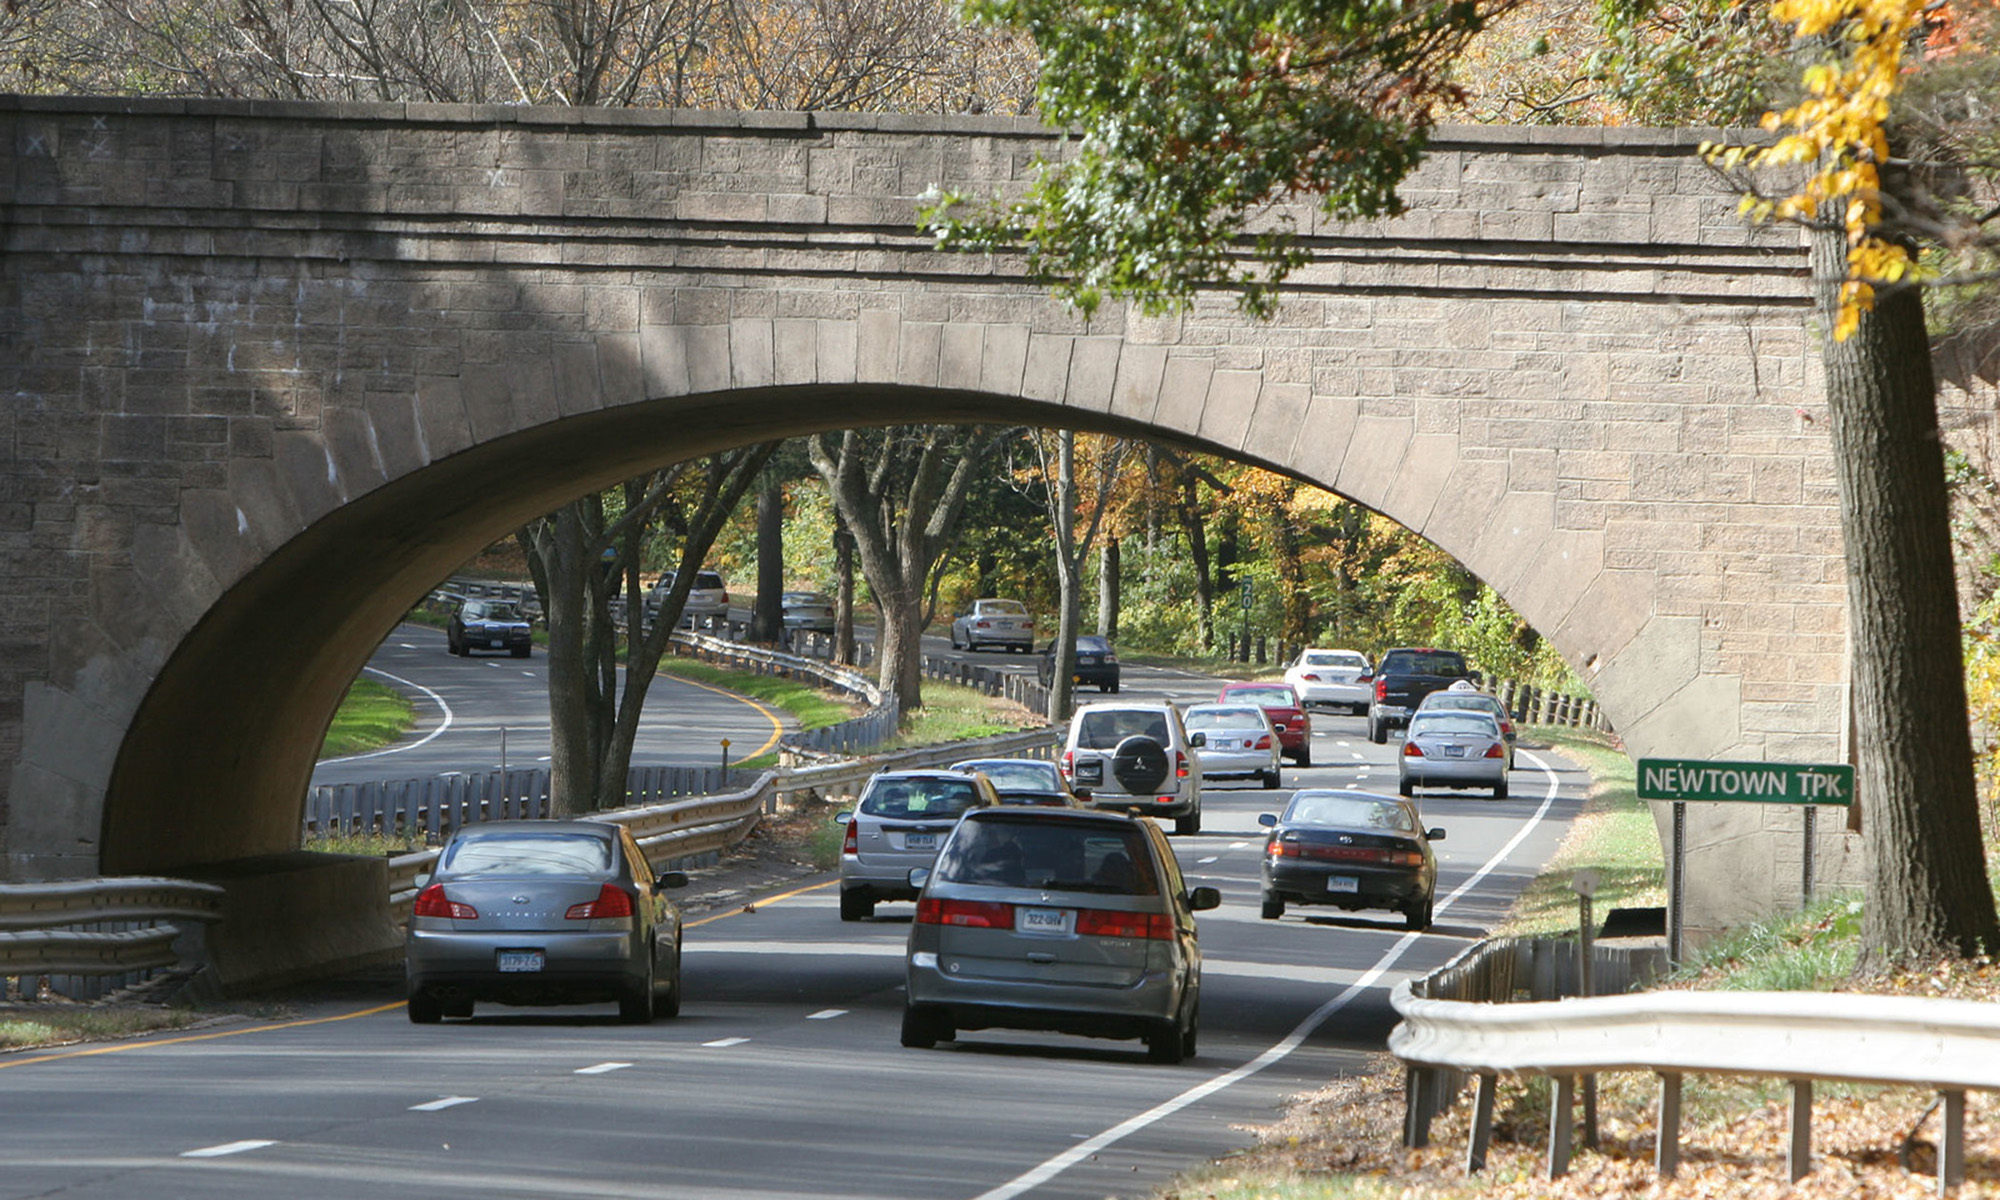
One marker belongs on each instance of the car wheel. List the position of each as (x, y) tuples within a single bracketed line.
[(1270, 780), (424, 1009), (1114, 688), (1274, 906), (1192, 1034), (1305, 756), (635, 1006), (1418, 914), (1103, 688), (954, 639), (1406, 788), (1163, 1043), (669, 1006), (1500, 790), (856, 906), (1188, 825), (923, 1027), (1378, 731)]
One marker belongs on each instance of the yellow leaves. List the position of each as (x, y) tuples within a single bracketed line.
[(1839, 128)]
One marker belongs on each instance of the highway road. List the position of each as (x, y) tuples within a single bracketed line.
[(783, 1077), (463, 705)]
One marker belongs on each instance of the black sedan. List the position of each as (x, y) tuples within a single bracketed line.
[(1023, 781), (489, 625), (1351, 850), (1096, 664)]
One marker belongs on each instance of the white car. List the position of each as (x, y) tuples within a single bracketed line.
[(1338, 678), (1241, 742), (1136, 757), (1003, 623), (707, 602)]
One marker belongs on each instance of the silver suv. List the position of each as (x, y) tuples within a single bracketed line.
[(1136, 757), (707, 602), (902, 819)]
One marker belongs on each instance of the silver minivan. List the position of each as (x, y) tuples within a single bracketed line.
[(899, 823), (1056, 919)]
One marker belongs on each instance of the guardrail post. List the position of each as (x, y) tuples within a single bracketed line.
[(1482, 1123), (1951, 1141), (1562, 1125), (1799, 1157), (1418, 1084), (1667, 1151)]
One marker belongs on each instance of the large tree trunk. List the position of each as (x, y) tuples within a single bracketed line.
[(843, 594), (1107, 590), (767, 619), (561, 554), (1928, 894)]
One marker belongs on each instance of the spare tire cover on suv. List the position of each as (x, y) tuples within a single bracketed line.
[(1139, 764)]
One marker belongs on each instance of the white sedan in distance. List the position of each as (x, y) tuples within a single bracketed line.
[(1335, 678)]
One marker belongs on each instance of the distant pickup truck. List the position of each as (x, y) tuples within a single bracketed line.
[(1403, 677)]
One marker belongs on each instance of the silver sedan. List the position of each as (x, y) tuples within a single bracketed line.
[(1453, 749), (1239, 742)]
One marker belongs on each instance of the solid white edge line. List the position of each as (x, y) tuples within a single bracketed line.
[(229, 1148), (1277, 1053), (434, 699)]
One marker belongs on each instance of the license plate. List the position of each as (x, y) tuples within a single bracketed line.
[(1452, 751), (1090, 772), (1342, 883), (499, 642), (521, 960), (920, 841), (1049, 922)]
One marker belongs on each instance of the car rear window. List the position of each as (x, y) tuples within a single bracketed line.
[(1224, 718), (1452, 722), (1335, 660), (1423, 662), (1002, 607), (1069, 856), (527, 854), (1348, 812), (1093, 645), (1031, 776), (707, 581), (1461, 702), (1103, 729), (1270, 697), (899, 798)]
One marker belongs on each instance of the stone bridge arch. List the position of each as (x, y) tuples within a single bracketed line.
[(277, 369)]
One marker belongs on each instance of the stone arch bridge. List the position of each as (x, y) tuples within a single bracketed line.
[(272, 370)]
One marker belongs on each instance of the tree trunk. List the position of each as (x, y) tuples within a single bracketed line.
[(843, 595), (1107, 590), (767, 618), (572, 753), (1928, 894)]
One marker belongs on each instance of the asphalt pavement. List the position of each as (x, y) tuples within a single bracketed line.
[(784, 1076)]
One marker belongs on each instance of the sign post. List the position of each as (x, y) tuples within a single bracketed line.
[(1682, 780)]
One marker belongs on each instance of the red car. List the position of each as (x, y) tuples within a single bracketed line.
[(1281, 704)]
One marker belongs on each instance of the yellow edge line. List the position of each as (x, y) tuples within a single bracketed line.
[(777, 726), (813, 887), (196, 1037)]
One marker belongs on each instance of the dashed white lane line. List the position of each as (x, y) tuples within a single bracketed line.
[(826, 1014), (444, 1102), (1357, 755), (1202, 862), (1238, 845), (228, 1148), (721, 1043), (407, 645), (602, 1068)]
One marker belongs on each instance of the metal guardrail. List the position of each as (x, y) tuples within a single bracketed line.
[(1951, 1046), (38, 934)]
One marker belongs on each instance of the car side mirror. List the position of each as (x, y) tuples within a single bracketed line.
[(1436, 835), (842, 817), (671, 879), (1203, 898), (1197, 740), (919, 876), (1268, 820)]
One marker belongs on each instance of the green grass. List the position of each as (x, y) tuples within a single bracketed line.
[(61, 1026), (1614, 835), (952, 713), (371, 715)]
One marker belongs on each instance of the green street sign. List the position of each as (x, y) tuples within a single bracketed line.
[(1758, 782)]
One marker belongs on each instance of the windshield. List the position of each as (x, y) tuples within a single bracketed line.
[(1066, 856), (527, 854), (921, 796), (1269, 697), (1423, 662), (1348, 812), (1103, 729), (1453, 723), (1225, 718), (1013, 775)]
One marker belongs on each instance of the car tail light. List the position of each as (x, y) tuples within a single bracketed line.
[(1382, 689), (851, 844), (1412, 750), (1355, 854), (1497, 750), (1264, 742), (611, 902), (432, 902), (1068, 763), (1180, 765), (1281, 849), (1101, 922), (973, 914)]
